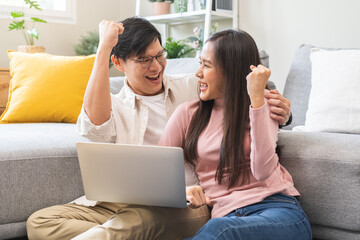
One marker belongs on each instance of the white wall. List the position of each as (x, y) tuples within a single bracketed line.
[(59, 38), (280, 26)]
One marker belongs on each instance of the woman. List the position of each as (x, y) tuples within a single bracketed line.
[(230, 140)]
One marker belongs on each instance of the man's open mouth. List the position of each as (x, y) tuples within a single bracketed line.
[(153, 77)]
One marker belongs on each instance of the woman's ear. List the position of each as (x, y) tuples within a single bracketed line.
[(118, 63)]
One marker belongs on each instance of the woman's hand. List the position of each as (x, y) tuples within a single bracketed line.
[(109, 32), (195, 195), (256, 82)]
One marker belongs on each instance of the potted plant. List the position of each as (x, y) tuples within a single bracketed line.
[(160, 7), (178, 49), (88, 44), (198, 38), (180, 6), (27, 27)]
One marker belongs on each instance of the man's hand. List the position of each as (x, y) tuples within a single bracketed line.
[(195, 195), (108, 33), (279, 106)]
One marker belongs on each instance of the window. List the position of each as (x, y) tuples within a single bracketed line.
[(60, 11)]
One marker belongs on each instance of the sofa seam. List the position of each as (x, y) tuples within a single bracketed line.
[(35, 158), (323, 159)]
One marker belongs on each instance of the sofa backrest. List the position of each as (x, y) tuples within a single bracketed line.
[(298, 85), (177, 66), (191, 65)]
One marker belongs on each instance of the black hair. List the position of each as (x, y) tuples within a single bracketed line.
[(234, 52), (139, 33)]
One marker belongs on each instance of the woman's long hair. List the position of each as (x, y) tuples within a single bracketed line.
[(234, 52)]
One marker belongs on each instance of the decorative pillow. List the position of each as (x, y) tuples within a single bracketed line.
[(334, 96), (46, 88)]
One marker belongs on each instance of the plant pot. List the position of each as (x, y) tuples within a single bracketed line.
[(180, 6), (31, 49), (160, 8)]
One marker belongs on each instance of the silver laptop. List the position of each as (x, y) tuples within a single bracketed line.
[(133, 174)]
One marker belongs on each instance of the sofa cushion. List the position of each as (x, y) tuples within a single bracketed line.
[(38, 168), (325, 169), (298, 84), (46, 88), (334, 97)]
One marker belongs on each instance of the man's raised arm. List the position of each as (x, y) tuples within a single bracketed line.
[(97, 100)]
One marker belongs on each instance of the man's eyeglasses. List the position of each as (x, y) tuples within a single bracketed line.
[(147, 61)]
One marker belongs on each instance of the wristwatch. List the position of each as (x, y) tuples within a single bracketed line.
[(288, 122)]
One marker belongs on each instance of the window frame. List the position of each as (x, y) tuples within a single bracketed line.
[(68, 16)]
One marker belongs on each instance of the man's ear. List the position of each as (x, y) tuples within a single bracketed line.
[(118, 63)]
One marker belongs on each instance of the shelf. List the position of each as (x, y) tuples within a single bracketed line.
[(188, 17), (205, 16)]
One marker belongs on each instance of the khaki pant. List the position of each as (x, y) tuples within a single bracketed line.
[(115, 221)]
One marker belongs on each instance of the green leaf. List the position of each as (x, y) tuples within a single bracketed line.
[(177, 49), (17, 14), (17, 25), (35, 19), (33, 4)]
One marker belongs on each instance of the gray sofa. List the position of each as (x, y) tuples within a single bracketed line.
[(325, 166), (39, 167)]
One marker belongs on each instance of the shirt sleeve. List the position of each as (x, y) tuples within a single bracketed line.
[(96, 133), (264, 135), (174, 136)]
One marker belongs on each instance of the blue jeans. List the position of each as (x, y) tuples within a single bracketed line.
[(277, 217)]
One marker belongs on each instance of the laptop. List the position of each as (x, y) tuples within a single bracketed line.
[(133, 174)]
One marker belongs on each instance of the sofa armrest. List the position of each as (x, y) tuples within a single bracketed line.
[(325, 168), (270, 85)]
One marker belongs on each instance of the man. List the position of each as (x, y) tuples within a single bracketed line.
[(137, 115)]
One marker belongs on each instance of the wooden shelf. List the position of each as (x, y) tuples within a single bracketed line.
[(4, 87), (189, 17)]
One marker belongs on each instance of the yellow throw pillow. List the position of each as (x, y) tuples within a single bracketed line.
[(46, 88)]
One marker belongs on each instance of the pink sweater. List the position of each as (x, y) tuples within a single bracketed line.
[(268, 176)]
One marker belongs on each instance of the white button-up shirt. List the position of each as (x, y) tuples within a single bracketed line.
[(129, 115)]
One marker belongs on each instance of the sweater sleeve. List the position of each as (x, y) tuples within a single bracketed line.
[(175, 129), (174, 136), (264, 135)]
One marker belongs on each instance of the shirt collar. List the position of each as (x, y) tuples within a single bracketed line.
[(131, 96)]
